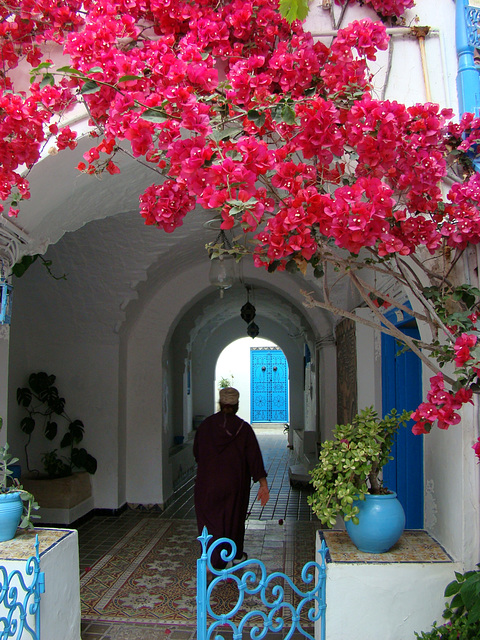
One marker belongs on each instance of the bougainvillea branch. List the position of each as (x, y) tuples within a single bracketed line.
[(237, 110)]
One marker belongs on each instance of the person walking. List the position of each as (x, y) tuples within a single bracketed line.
[(228, 457)]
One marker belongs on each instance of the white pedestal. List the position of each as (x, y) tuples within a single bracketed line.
[(386, 596), (60, 615)]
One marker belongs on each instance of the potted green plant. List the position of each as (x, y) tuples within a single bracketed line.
[(44, 405), (65, 483), (347, 478), (16, 504)]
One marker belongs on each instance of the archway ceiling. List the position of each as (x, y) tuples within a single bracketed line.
[(95, 235)]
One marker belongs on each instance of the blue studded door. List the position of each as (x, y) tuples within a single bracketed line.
[(269, 385)]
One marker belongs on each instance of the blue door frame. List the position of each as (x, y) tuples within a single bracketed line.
[(402, 389), (268, 385)]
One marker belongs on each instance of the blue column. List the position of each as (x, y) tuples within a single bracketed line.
[(468, 83)]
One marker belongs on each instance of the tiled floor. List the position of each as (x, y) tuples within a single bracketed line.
[(274, 524)]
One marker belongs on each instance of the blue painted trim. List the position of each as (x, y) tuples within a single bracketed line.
[(402, 389)]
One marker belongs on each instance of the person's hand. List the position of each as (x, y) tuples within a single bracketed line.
[(263, 494)]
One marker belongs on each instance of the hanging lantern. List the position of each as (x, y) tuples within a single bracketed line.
[(247, 312), (222, 272), (222, 264), (5, 302), (253, 330)]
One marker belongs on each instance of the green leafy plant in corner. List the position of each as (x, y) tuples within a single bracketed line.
[(350, 464), (8, 484), (462, 614), (45, 406)]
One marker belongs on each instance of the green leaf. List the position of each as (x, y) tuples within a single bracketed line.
[(293, 10), (70, 70), (451, 589), (24, 396), (40, 381), (256, 117), (48, 79), (66, 440), (273, 266), (154, 115), (129, 77), (83, 460), (19, 269), (76, 430), (89, 87), (469, 591), (42, 65), (228, 132), (50, 430), (27, 425), (288, 114), (95, 70)]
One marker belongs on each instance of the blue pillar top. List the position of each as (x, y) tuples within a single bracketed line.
[(468, 79)]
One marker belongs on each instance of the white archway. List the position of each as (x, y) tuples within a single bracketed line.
[(234, 364)]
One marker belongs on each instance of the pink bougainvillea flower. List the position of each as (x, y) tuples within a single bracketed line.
[(476, 448), (463, 344)]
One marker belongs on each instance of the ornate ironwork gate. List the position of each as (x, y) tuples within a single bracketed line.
[(269, 385), (20, 600), (250, 578)]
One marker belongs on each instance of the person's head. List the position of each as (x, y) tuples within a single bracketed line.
[(229, 400)]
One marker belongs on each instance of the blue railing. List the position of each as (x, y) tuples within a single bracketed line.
[(20, 602), (250, 578)]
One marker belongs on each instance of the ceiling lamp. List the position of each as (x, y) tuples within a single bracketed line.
[(222, 265)]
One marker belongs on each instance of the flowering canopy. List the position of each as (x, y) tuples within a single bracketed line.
[(240, 111)]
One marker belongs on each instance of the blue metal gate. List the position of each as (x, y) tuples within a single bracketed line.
[(20, 600), (269, 385), (250, 578)]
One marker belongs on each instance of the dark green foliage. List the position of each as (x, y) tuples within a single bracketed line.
[(43, 402), (462, 615)]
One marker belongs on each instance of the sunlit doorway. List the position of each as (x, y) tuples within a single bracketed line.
[(234, 368)]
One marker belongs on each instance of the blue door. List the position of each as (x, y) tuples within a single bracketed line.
[(268, 386), (402, 389)]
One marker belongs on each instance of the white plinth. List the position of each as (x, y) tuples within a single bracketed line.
[(386, 596), (60, 615)]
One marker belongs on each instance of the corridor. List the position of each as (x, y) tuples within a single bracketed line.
[(284, 528)]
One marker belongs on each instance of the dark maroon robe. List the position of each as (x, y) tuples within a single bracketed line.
[(228, 457)]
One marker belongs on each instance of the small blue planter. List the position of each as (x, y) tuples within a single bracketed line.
[(381, 523), (11, 508)]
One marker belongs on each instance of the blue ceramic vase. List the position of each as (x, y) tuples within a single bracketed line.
[(11, 508), (381, 523)]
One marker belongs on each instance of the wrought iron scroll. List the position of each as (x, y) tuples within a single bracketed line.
[(250, 578), (472, 15), (20, 599)]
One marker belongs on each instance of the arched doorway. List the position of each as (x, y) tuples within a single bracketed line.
[(258, 368)]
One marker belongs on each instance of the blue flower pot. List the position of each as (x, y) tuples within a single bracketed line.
[(381, 523), (11, 508)]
